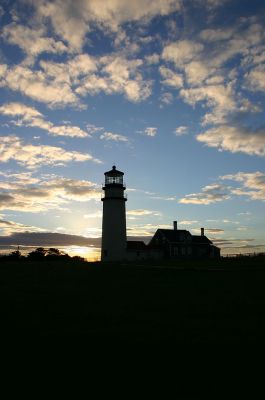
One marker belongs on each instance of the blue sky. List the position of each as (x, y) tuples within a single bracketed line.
[(170, 91)]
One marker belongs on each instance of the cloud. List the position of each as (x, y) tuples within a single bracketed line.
[(181, 130), (150, 131), (210, 194), (72, 20), (113, 136), (96, 214), (60, 84), (235, 139), (142, 213), (38, 86), (29, 116), (117, 74), (10, 227), (253, 185), (47, 239), (187, 222), (152, 59), (220, 96), (32, 41), (197, 72), (216, 35), (32, 156), (181, 52), (166, 98), (26, 193), (171, 78), (93, 128), (146, 230), (256, 78)]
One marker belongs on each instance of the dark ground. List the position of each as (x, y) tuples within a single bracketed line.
[(194, 331), (207, 302)]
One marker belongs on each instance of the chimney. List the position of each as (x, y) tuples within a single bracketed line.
[(202, 231), (175, 225)]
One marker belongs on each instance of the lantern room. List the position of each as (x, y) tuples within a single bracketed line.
[(114, 177)]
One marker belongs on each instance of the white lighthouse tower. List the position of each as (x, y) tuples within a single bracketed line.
[(113, 247)]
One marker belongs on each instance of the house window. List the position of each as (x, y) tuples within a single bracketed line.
[(183, 251)]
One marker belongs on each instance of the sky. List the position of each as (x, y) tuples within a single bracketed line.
[(170, 91)]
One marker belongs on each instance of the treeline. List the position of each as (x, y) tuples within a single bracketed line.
[(41, 253)]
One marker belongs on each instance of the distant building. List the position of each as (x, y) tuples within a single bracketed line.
[(165, 244), (180, 243)]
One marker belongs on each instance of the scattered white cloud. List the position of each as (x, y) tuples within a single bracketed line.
[(171, 78), (152, 59), (142, 213), (32, 156), (235, 139), (93, 129), (255, 79), (188, 222), (209, 194), (166, 98), (150, 131), (181, 130), (253, 185), (60, 84), (114, 137), (181, 52), (32, 41), (48, 192), (117, 75), (72, 20), (145, 229), (219, 96), (29, 116), (38, 86)]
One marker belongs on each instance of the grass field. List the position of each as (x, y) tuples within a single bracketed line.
[(206, 302)]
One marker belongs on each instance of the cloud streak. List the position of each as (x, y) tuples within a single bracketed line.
[(29, 116), (32, 156)]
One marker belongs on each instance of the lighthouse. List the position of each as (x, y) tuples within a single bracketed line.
[(113, 247)]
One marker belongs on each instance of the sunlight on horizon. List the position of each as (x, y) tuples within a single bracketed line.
[(89, 253)]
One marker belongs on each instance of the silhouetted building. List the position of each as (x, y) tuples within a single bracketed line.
[(165, 244), (114, 244), (180, 243)]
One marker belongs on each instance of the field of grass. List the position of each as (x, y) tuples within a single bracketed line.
[(206, 302)]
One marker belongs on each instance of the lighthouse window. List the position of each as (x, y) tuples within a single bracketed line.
[(114, 179)]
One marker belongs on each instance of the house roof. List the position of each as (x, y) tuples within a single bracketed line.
[(177, 235), (200, 239), (173, 235)]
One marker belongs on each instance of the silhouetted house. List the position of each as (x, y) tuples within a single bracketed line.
[(137, 250), (180, 243)]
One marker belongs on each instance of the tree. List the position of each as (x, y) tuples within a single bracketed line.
[(40, 252), (15, 254), (52, 252)]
